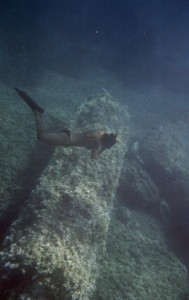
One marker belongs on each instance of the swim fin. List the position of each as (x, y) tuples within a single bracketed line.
[(31, 103)]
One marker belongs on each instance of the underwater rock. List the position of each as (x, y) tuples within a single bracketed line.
[(137, 264), (164, 154), (19, 153), (137, 189), (54, 249)]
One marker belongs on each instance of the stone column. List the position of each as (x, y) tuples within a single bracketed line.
[(54, 249)]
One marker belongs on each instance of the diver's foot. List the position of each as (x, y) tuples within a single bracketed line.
[(31, 103)]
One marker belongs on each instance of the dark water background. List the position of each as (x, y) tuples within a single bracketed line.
[(144, 44), (139, 41)]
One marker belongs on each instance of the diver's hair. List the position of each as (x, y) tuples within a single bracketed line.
[(108, 140)]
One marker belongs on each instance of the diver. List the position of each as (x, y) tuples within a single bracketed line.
[(95, 140)]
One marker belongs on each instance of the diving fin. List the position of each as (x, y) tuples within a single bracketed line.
[(31, 103)]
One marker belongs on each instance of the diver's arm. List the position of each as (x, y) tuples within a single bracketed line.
[(95, 152)]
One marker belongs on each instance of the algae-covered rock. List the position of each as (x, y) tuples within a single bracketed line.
[(138, 264), (137, 189), (55, 247), (22, 159), (18, 148), (164, 154)]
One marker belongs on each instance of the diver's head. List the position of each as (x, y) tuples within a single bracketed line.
[(108, 140)]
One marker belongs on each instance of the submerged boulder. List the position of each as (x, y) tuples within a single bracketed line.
[(19, 152), (137, 264), (137, 189), (54, 249), (164, 155)]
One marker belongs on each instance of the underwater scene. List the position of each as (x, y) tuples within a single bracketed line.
[(94, 150)]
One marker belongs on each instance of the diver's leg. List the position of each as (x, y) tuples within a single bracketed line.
[(39, 123), (52, 138)]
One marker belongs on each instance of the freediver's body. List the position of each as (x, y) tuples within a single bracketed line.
[(95, 140)]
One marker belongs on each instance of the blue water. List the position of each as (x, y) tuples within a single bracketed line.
[(140, 41)]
